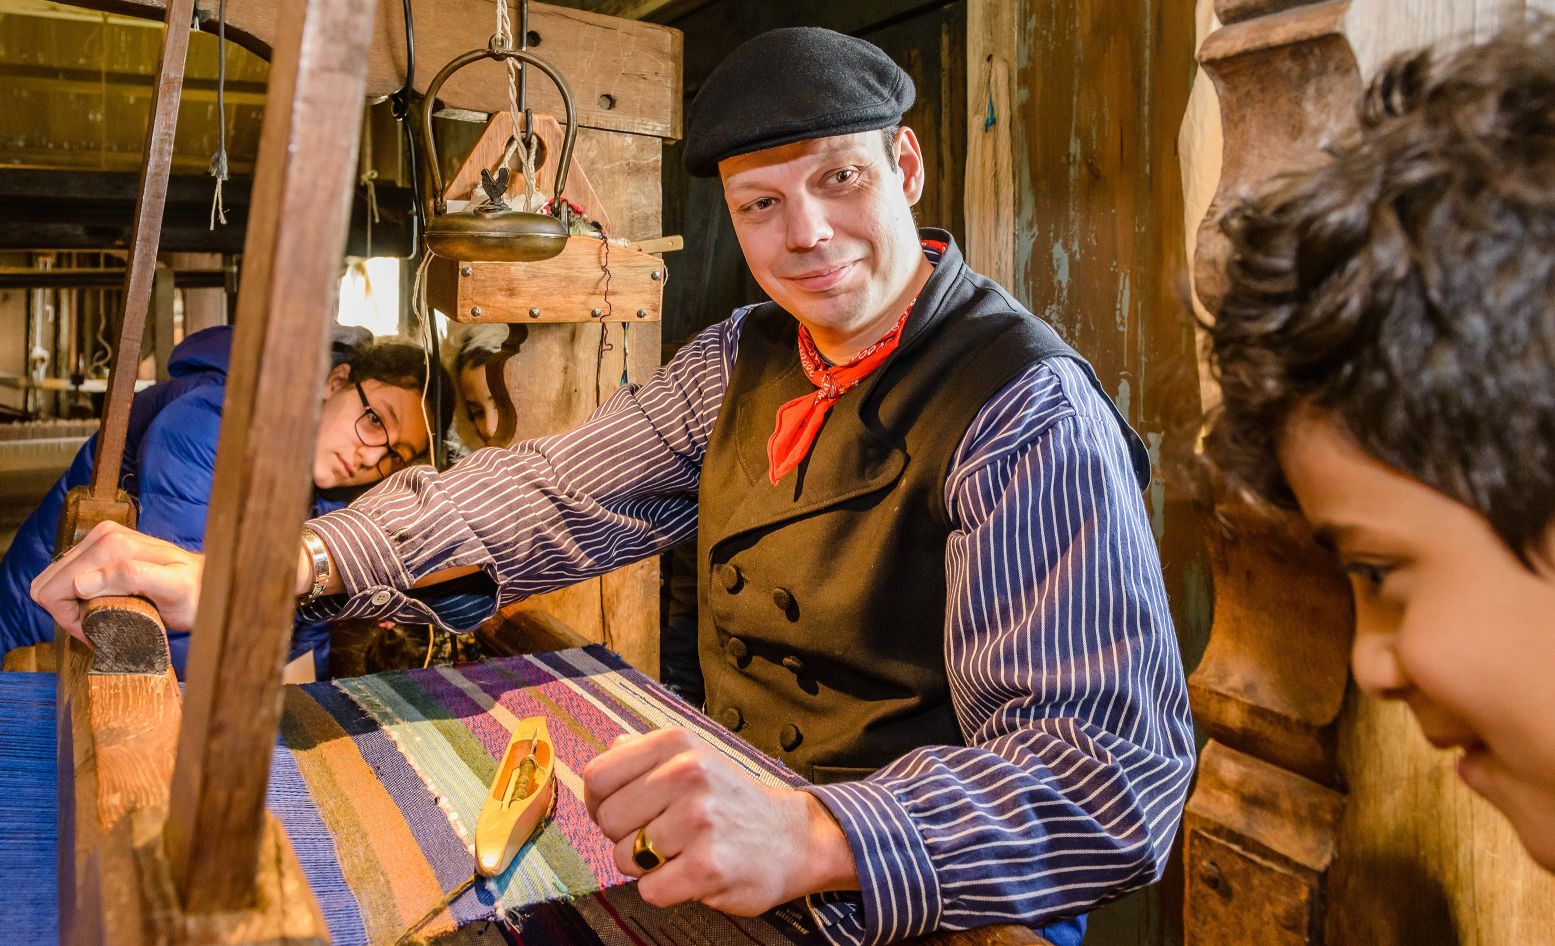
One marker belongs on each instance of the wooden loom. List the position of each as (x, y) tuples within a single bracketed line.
[(165, 837), (1319, 816), (164, 834)]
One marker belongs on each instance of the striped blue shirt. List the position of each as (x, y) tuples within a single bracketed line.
[(1059, 647)]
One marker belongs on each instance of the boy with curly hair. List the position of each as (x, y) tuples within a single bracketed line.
[(1386, 353)]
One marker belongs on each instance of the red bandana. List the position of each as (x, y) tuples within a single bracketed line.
[(799, 421)]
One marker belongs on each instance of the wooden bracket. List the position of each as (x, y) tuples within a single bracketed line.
[(591, 281)]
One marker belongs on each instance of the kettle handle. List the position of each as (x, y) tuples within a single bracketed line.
[(498, 53)]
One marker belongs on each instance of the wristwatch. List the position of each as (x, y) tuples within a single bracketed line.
[(318, 557)]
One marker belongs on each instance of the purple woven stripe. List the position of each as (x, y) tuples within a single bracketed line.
[(687, 717), (492, 735), (570, 815), (572, 748)]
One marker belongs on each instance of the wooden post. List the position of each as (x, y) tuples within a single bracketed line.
[(203, 308), (990, 183), (117, 707), (302, 188), (144, 238)]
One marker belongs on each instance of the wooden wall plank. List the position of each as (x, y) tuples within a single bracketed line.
[(561, 375), (989, 242), (1100, 90)]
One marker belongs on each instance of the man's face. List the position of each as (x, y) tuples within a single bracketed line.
[(1447, 619), (826, 226)]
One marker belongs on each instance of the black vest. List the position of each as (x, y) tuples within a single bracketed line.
[(822, 599)]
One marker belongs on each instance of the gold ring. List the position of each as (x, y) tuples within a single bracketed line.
[(644, 854)]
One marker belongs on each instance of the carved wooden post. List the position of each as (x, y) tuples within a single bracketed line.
[(1319, 816)]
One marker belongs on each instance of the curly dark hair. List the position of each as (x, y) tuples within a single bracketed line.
[(403, 365), (1406, 290)]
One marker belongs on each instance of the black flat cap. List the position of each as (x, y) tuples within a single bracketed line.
[(791, 85)]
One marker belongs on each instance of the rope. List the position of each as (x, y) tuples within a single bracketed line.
[(418, 304), (369, 180), (516, 112), (219, 159)]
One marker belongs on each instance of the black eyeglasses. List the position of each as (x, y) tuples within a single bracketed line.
[(372, 432)]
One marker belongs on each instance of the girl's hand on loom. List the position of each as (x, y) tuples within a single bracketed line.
[(113, 560), (728, 841)]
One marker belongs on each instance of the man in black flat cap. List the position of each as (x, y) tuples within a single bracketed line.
[(928, 583)]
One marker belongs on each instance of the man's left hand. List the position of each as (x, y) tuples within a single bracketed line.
[(728, 841)]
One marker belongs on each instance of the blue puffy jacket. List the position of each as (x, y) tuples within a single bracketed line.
[(169, 462)]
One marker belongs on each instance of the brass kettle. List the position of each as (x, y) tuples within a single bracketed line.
[(492, 231)]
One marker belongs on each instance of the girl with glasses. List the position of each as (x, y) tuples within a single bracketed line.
[(370, 425)]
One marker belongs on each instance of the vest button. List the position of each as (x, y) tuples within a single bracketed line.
[(731, 718), (729, 577), (794, 663), (789, 737), (783, 599), (737, 651)]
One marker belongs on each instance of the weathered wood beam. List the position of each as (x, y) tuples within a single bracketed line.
[(259, 499), (92, 210), (133, 85), (624, 76)]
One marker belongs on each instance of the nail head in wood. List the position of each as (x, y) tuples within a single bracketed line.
[(642, 313), (475, 312), (534, 313), (466, 271)]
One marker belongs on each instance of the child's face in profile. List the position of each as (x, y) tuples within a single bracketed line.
[(479, 405), (1447, 620)]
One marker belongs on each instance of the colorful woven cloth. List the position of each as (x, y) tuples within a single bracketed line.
[(379, 781)]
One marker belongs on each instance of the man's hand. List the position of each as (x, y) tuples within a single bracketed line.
[(113, 560), (728, 841)]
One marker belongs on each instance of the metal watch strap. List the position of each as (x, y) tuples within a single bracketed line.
[(318, 557)]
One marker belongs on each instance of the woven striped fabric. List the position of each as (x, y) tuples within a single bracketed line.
[(379, 782), (28, 816)]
